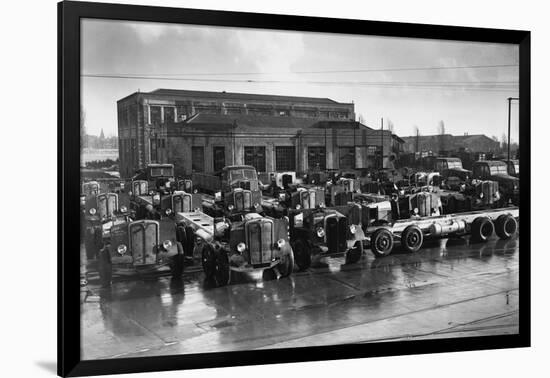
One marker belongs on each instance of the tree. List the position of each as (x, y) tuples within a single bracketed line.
[(441, 135), (390, 126), (416, 139)]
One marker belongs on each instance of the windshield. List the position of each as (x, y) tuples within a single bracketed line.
[(455, 165), (498, 169), (162, 171), (242, 174)]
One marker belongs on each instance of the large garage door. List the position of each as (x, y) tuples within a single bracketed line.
[(316, 158), (285, 158)]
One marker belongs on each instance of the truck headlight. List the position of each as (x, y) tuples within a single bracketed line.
[(481, 195), (168, 211), (166, 244), (322, 205), (121, 249), (416, 210), (256, 205), (93, 211), (298, 207), (352, 229), (123, 209), (282, 196), (156, 197), (151, 193), (321, 232), (241, 247), (281, 243), (230, 207)]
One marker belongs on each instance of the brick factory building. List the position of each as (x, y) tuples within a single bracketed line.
[(201, 131)]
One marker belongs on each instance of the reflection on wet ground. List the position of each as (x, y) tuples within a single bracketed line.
[(451, 288)]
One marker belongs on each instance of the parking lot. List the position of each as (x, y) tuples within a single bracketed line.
[(451, 288)]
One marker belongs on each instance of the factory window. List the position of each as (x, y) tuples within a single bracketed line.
[(285, 158), (168, 115), (155, 115), (219, 157), (347, 157), (255, 156), (153, 143), (207, 109), (232, 110), (316, 158), (197, 158), (372, 150)]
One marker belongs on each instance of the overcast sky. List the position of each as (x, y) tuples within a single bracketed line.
[(472, 100)]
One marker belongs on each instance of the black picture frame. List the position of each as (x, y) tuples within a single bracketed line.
[(69, 16)]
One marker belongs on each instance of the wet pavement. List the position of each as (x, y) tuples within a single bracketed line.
[(450, 288)]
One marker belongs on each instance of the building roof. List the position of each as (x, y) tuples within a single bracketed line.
[(242, 96)]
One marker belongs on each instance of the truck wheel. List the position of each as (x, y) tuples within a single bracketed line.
[(208, 261), (506, 226), (354, 254), (176, 265), (412, 238), (302, 255), (222, 272), (381, 242), (482, 229), (286, 264), (105, 267)]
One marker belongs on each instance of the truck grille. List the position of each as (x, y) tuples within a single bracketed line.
[(260, 240), (140, 188), (144, 237), (107, 204), (242, 200), (307, 199), (336, 234), (342, 198), (181, 203)]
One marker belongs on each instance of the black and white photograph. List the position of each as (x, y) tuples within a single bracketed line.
[(246, 189)]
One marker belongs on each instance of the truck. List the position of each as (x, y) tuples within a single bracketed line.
[(233, 191), (252, 243), (159, 177), (134, 247), (101, 212), (495, 170), (326, 232), (150, 204), (452, 172), (410, 233)]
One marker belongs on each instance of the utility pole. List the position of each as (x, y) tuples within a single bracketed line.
[(382, 140), (509, 120)]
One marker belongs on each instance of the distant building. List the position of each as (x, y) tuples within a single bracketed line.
[(447, 142), (204, 131)]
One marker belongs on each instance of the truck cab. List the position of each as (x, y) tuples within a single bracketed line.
[(498, 171), (513, 167), (160, 177), (451, 170)]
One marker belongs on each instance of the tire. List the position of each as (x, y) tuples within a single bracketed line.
[(286, 265), (222, 272), (381, 243), (354, 254), (412, 238), (176, 265), (302, 255), (105, 267), (506, 226), (482, 229), (208, 259)]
